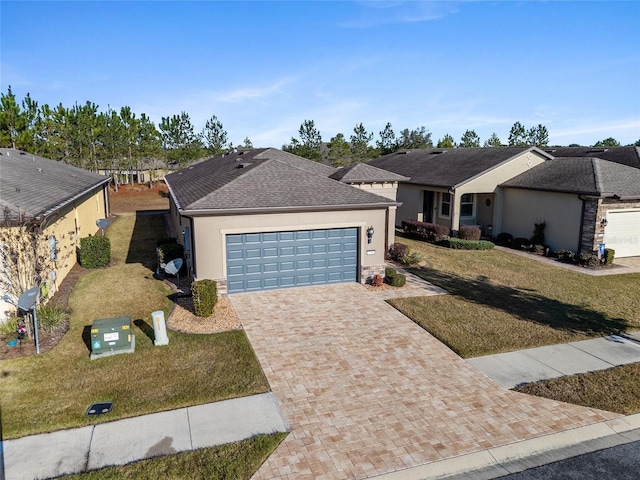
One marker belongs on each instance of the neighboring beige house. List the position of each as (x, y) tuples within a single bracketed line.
[(147, 170), (583, 202), (456, 186), (263, 218), (58, 201)]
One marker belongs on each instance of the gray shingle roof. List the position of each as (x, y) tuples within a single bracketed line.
[(263, 179), (583, 176), (364, 173), (448, 167), (33, 186), (624, 155)]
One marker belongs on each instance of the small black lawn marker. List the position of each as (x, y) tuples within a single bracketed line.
[(99, 408)]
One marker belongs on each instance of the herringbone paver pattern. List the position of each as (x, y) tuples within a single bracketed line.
[(369, 392)]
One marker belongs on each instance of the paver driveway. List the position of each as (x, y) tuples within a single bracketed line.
[(369, 392)]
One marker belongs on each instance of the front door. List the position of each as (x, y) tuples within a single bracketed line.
[(427, 206)]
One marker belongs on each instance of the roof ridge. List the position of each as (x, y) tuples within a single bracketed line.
[(597, 174)]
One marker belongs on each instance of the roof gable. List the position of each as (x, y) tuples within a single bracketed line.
[(449, 167), (583, 176), (33, 186), (365, 173)]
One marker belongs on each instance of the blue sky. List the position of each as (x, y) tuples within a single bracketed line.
[(264, 67)]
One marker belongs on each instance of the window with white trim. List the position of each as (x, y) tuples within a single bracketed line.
[(466, 205), (445, 205)]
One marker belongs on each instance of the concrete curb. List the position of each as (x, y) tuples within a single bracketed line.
[(519, 456)]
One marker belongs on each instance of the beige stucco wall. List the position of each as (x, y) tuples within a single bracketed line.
[(411, 198), (69, 225), (489, 181), (209, 236), (562, 213), (387, 189), (76, 221)]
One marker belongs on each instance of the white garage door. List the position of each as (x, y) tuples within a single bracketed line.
[(622, 233)]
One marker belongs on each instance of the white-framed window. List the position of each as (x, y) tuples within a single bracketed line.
[(467, 205), (445, 205)]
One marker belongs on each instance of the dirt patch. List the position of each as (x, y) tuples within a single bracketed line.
[(133, 197), (47, 340), (27, 347)]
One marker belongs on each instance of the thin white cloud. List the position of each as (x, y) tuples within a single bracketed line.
[(625, 131), (253, 93), (376, 13)]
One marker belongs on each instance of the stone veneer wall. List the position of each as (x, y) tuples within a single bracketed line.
[(591, 229), (595, 210), (368, 271)]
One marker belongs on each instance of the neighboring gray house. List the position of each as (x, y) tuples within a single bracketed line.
[(263, 218), (629, 156), (456, 186), (583, 201)]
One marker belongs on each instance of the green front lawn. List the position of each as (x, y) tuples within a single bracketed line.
[(614, 389), (234, 461), (52, 391), (501, 302)]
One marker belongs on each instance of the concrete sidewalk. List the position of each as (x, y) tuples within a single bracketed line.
[(542, 363), (125, 441)]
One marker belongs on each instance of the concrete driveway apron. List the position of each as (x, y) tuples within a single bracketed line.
[(368, 392)]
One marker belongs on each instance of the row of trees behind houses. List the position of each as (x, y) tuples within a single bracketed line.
[(120, 140)]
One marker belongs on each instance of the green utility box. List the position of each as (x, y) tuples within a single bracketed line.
[(111, 335)]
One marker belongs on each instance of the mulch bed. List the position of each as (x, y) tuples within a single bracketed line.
[(47, 340)]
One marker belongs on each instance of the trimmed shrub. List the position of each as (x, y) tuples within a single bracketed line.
[(397, 251), (588, 260), (411, 258), (467, 232), (609, 253), (460, 244), (398, 280), (521, 243), (504, 239), (429, 232), (94, 252), (389, 272), (166, 240), (565, 255), (205, 297), (169, 251), (377, 280), (51, 317)]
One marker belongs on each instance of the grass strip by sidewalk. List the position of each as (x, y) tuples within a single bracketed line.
[(502, 302), (52, 391), (234, 461), (615, 389)]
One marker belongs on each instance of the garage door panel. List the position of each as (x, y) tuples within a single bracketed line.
[(287, 266), (287, 251), (270, 252), (253, 253), (286, 259)]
